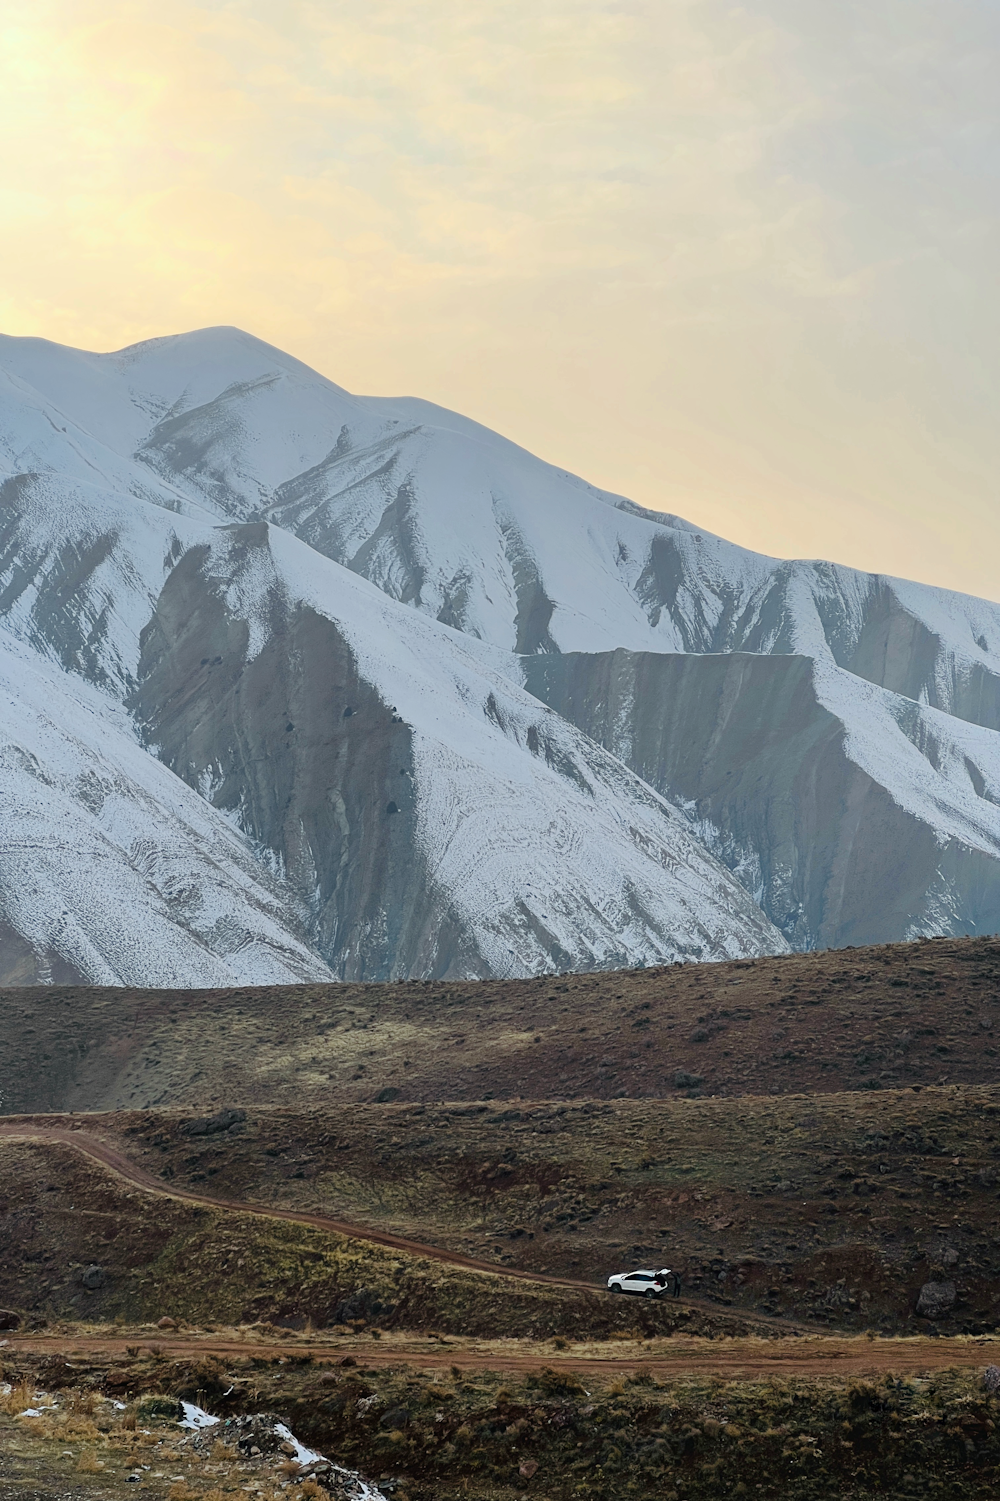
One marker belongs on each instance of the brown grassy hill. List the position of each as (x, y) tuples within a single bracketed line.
[(833, 1210), (62, 1214), (873, 1018)]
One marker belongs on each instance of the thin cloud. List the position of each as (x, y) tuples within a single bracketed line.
[(736, 262)]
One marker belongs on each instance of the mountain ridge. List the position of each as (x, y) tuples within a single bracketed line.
[(569, 687)]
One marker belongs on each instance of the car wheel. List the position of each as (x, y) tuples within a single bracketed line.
[(616, 1287), (650, 1293)]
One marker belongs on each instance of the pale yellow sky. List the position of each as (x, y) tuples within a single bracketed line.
[(737, 262)]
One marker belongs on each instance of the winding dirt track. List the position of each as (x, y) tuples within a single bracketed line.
[(819, 1354), (110, 1157)]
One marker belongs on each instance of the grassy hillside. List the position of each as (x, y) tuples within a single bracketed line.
[(163, 1257), (859, 1019), (809, 1140), (832, 1210)]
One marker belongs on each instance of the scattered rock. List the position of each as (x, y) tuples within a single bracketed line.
[(340, 1484), (527, 1468), (210, 1125), (93, 1277), (9, 1319), (257, 1433), (949, 1256), (936, 1299), (166, 1323), (991, 1380)]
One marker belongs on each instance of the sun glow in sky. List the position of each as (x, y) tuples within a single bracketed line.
[(738, 262)]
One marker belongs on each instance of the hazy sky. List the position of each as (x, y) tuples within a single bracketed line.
[(734, 261)]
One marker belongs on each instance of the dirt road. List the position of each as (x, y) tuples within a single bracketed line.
[(72, 1133), (743, 1359), (105, 1152)]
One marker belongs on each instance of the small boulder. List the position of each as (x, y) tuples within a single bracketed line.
[(936, 1299), (991, 1380), (166, 1323), (527, 1468), (9, 1319), (363, 1303), (93, 1277)]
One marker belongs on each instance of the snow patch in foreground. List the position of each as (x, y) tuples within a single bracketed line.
[(196, 1417), (302, 1454)]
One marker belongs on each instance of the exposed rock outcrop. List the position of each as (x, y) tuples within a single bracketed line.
[(936, 1300)]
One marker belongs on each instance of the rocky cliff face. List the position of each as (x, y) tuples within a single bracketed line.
[(382, 694), (302, 751), (755, 752), (430, 817)]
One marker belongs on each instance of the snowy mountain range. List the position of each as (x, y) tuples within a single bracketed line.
[(300, 685)]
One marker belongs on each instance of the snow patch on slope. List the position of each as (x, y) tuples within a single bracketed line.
[(109, 863)]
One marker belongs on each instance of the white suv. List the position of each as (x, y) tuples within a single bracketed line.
[(646, 1284)]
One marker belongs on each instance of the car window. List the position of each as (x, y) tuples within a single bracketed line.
[(640, 1277)]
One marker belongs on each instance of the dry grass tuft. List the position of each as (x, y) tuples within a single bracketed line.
[(181, 1490), (89, 1463), (18, 1398), (80, 1428)]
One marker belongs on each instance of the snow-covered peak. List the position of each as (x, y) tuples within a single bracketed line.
[(316, 608)]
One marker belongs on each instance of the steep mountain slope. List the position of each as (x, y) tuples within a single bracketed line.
[(111, 870), (829, 736), (851, 813), (436, 818), (462, 524), (417, 811)]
